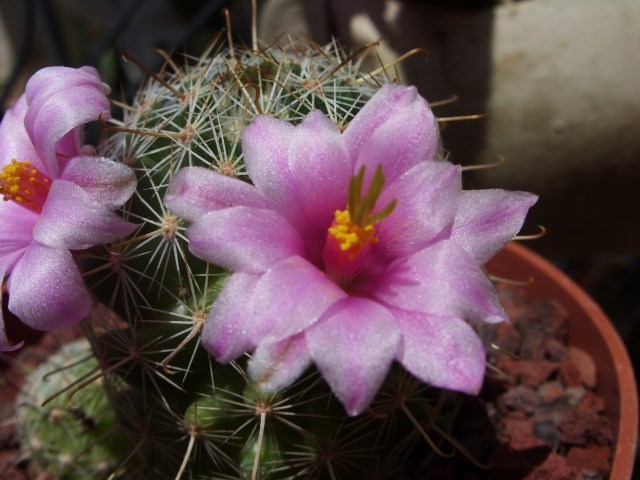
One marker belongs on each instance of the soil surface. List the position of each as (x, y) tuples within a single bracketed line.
[(537, 417)]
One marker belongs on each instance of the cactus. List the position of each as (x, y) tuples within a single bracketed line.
[(209, 418), (175, 411), (69, 441)]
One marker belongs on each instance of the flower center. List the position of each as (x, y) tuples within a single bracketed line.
[(352, 232), (25, 185), (351, 237)]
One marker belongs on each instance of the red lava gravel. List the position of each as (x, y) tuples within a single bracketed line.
[(548, 423)]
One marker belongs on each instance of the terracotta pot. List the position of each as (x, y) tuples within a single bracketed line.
[(591, 330)]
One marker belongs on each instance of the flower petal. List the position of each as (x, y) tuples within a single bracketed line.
[(5, 345), (225, 333), (390, 99), (406, 139), (487, 219), (50, 80), (441, 351), (194, 191), (71, 219), (441, 280), (6, 265), (265, 148), (16, 227), (61, 99), (107, 182), (427, 199), (320, 170), (353, 345), (396, 129), (244, 238), (16, 144), (46, 290), (289, 297), (274, 366)]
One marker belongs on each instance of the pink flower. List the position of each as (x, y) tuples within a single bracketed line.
[(59, 196), (351, 250)]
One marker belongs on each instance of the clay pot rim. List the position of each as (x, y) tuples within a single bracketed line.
[(575, 299)]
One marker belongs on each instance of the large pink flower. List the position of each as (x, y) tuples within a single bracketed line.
[(59, 196), (351, 250)]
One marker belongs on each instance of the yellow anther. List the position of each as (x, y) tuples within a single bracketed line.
[(351, 237), (352, 233), (24, 184)]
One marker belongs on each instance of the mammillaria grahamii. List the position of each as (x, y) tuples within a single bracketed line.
[(350, 250)]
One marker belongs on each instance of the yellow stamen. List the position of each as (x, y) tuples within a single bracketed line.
[(352, 232), (351, 238), (24, 184)]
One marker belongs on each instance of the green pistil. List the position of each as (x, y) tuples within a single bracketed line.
[(360, 208)]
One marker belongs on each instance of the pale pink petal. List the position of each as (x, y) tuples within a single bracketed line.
[(194, 191), (225, 332), (5, 344), (488, 219), (441, 351), (265, 148), (391, 98), (353, 346), (320, 170), (275, 366), (408, 138), (46, 290), (51, 80), (396, 127), (16, 226), (427, 199), (107, 182), (71, 219), (16, 144), (290, 297), (6, 264), (60, 100), (244, 238), (442, 279)]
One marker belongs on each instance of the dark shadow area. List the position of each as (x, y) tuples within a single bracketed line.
[(49, 32)]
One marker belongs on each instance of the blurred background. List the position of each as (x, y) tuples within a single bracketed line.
[(559, 80)]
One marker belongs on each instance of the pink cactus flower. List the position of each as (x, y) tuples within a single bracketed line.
[(58, 196), (350, 250)]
